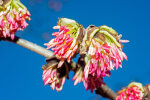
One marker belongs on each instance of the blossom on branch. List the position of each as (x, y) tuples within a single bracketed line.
[(92, 82), (53, 75), (134, 91), (66, 43), (49, 77), (100, 51), (13, 16), (103, 52)]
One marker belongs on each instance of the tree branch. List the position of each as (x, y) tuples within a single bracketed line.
[(104, 90), (31, 46)]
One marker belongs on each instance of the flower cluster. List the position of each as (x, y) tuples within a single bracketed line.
[(13, 16), (103, 55), (134, 91), (100, 51), (54, 76), (49, 77), (66, 42)]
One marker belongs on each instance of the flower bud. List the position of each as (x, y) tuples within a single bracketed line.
[(134, 91), (53, 75), (13, 16), (104, 51), (91, 82), (66, 43)]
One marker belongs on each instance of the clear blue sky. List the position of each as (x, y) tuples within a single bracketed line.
[(20, 69)]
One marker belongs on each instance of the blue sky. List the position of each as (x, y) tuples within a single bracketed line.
[(21, 74)]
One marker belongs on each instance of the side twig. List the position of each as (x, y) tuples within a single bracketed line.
[(104, 90)]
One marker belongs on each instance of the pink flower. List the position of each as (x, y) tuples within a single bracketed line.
[(53, 75), (66, 42), (92, 82), (103, 58), (13, 18), (104, 54), (134, 91), (50, 77)]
